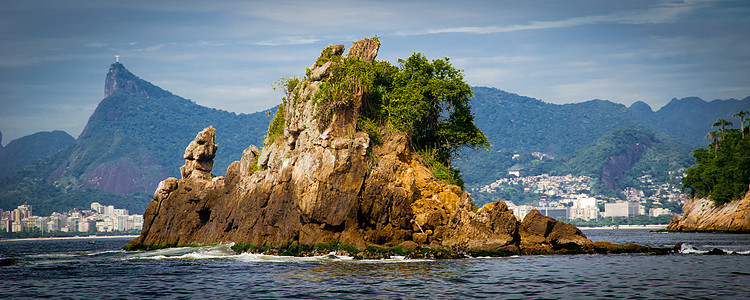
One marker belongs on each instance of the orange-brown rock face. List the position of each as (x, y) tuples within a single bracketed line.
[(539, 232), (320, 181), (703, 215)]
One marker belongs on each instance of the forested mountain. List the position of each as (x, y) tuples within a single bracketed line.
[(26, 150), (134, 139), (577, 134), (689, 119), (518, 123), (619, 157), (596, 138)]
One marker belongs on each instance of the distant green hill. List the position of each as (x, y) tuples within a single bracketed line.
[(134, 139), (621, 155), (597, 138), (26, 150), (689, 119), (519, 123)]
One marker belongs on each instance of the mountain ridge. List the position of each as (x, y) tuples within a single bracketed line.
[(26, 150), (136, 116), (127, 145)]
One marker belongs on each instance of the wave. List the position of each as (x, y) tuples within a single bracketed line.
[(686, 248), (224, 252)]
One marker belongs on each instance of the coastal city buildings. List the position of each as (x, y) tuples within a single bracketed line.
[(99, 218), (570, 196)]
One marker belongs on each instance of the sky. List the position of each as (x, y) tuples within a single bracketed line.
[(54, 55)]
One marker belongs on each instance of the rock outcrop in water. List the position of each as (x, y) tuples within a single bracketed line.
[(321, 180), (704, 215)]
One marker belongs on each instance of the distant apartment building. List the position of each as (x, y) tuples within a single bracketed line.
[(554, 212), (583, 207), (100, 218), (98, 208), (623, 209), (659, 211), (519, 210)]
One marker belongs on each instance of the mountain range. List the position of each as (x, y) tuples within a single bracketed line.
[(28, 149), (128, 146), (134, 138), (517, 124)]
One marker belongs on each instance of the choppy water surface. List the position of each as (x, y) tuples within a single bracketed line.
[(77, 269)]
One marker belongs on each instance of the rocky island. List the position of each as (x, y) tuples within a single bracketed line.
[(719, 182), (702, 214), (326, 175)]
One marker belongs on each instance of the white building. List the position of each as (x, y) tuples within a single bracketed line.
[(120, 212), (120, 223), (655, 212), (518, 210), (97, 207), (583, 207), (135, 222), (623, 209)]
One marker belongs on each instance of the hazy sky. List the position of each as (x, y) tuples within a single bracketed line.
[(54, 55)]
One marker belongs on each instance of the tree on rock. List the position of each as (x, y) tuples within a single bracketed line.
[(428, 99)]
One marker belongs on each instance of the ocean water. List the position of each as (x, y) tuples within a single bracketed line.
[(77, 269)]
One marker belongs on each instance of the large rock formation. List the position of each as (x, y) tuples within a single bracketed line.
[(539, 232), (322, 180), (704, 215)]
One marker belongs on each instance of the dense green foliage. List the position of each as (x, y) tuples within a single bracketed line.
[(427, 99), (721, 172), (276, 127)]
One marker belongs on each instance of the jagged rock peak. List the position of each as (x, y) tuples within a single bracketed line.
[(366, 49), (121, 80), (199, 155)]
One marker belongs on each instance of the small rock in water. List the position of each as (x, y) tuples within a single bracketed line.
[(716, 251)]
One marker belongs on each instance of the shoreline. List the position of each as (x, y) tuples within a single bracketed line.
[(626, 227), (71, 238)]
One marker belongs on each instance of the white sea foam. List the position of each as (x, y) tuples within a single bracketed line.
[(690, 249), (686, 248), (221, 251)]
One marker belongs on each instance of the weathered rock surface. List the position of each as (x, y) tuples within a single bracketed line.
[(321, 181), (539, 232), (703, 215)]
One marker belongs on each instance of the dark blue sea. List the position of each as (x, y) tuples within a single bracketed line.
[(78, 269)]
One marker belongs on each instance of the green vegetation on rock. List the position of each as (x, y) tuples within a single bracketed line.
[(428, 99), (722, 172)]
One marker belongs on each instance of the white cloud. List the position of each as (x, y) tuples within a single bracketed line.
[(292, 40), (660, 14)]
